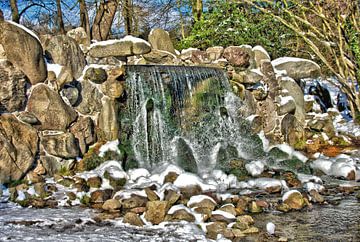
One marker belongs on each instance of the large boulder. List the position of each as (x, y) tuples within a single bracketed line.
[(64, 51), (160, 40), (50, 109), (260, 55), (79, 35), (238, 56), (126, 46), (18, 148), (156, 211), (297, 68), (12, 87), (23, 50), (62, 145)]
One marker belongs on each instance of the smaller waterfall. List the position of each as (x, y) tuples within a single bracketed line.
[(184, 115)]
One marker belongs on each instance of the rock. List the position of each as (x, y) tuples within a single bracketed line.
[(112, 88), (100, 196), (251, 230), (24, 51), (2, 53), (286, 105), (159, 57), (254, 207), (221, 216), (297, 94), (96, 75), (111, 204), (134, 201), (133, 219), (156, 211), (18, 148), (243, 222), (215, 53), (50, 109), (316, 196), (180, 215), (294, 199), (293, 131), (172, 197), (170, 177), (267, 110), (64, 51), (94, 182), (108, 122), (297, 68), (323, 124), (71, 196), (65, 76), (127, 46), (51, 164), (213, 229), (202, 201), (160, 40), (83, 129), (229, 208), (79, 35), (252, 76), (27, 117), (39, 188), (62, 145), (152, 196), (12, 88), (260, 55), (90, 102), (190, 191), (71, 93), (237, 56)]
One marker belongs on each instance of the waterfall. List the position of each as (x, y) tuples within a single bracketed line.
[(184, 115)]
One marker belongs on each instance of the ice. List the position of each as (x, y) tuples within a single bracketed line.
[(109, 146), (188, 179), (199, 198), (25, 29), (288, 193), (270, 228), (255, 168)]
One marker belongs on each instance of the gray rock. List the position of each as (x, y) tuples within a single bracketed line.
[(122, 48), (79, 35), (24, 51), (18, 148), (160, 40), (287, 106), (297, 68), (12, 87), (49, 108), (90, 102), (260, 55), (27, 117), (61, 145), (239, 56), (64, 51), (71, 93)]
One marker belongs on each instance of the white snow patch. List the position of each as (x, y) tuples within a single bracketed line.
[(309, 178), (255, 168), (135, 174), (224, 214), (309, 186), (189, 179), (113, 167), (199, 198), (126, 194), (285, 100), (283, 60), (115, 41), (56, 68), (109, 146), (270, 228)]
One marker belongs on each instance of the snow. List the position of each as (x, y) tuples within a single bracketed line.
[(135, 174), (21, 196), (31, 191), (161, 172), (113, 167), (109, 146), (25, 29), (56, 68), (285, 100), (341, 169), (309, 186), (270, 228), (264, 183), (198, 199), (288, 193), (255, 168), (322, 164), (188, 179), (309, 178), (224, 214), (309, 98), (291, 152), (198, 217), (126, 194), (115, 41), (185, 51)]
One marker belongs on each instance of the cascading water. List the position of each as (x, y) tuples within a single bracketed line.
[(184, 115)]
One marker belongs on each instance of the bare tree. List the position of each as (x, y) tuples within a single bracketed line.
[(128, 16), (103, 20), (14, 11), (60, 20), (84, 17)]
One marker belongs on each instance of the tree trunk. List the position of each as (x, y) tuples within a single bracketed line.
[(14, 11), (103, 20), (179, 3), (197, 9), (127, 13), (1, 15), (60, 20), (84, 18)]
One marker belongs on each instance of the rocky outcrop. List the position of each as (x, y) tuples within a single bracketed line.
[(12, 88), (79, 35), (124, 47), (24, 51), (108, 119), (65, 51), (238, 56), (18, 147), (90, 98), (160, 40), (50, 109), (84, 132)]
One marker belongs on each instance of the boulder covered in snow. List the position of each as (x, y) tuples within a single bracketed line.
[(297, 68), (124, 47), (23, 50), (294, 199)]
